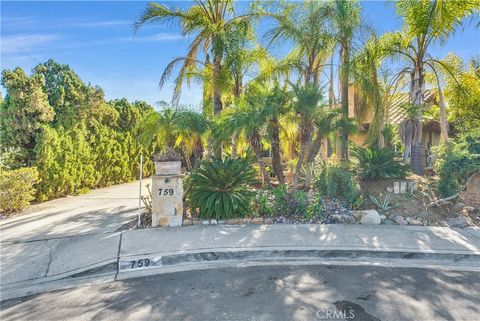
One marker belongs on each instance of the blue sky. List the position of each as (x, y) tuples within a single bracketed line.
[(96, 39)]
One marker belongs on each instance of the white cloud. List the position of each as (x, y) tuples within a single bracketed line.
[(26, 43), (163, 36)]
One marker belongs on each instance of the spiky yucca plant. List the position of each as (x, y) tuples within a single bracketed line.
[(374, 163), (220, 189)]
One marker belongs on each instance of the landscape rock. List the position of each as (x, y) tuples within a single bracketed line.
[(187, 221), (268, 221), (388, 222), (371, 218), (205, 222), (342, 218), (400, 220), (221, 221), (361, 213), (459, 206), (213, 222), (234, 221), (414, 221), (468, 209), (456, 222), (257, 220)]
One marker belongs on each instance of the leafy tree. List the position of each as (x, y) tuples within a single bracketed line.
[(24, 111), (463, 95)]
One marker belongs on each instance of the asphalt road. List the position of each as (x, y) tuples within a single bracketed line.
[(266, 293), (98, 211)]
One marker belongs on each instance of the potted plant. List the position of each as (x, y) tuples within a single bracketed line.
[(167, 162)]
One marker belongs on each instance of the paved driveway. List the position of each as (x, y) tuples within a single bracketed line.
[(101, 210)]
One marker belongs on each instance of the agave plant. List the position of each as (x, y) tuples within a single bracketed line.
[(374, 163), (383, 205), (220, 189)]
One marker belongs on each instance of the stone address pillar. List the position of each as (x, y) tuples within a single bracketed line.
[(167, 194)]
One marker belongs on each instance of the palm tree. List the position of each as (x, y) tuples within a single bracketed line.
[(180, 129), (346, 20), (208, 21), (305, 107), (425, 23), (305, 26), (249, 119)]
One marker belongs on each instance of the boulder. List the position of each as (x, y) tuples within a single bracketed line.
[(361, 213), (414, 221), (213, 222), (400, 220), (456, 222), (371, 218), (342, 218)]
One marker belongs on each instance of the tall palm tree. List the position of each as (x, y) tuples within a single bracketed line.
[(304, 24), (208, 21), (425, 24), (345, 22)]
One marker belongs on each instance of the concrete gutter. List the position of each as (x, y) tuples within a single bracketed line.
[(44, 265)]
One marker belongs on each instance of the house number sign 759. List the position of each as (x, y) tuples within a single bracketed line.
[(165, 191)]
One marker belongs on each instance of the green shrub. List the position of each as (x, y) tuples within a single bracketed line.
[(337, 181), (220, 188), (289, 203), (456, 161), (17, 188), (374, 163)]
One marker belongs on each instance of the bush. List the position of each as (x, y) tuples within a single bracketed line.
[(220, 188), (457, 161), (337, 181), (374, 163), (17, 188), (290, 203)]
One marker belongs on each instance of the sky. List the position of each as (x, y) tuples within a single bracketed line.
[(96, 39)]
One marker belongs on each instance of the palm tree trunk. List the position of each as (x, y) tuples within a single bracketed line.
[(234, 145), (417, 98), (276, 153), (344, 70), (312, 153), (306, 138), (217, 97), (257, 149), (443, 118)]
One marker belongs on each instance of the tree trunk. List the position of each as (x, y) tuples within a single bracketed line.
[(331, 92), (344, 71), (257, 149), (443, 117), (306, 137), (443, 112), (417, 98), (276, 153), (312, 153), (217, 96), (234, 145)]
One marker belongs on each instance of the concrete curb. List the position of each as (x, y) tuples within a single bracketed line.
[(234, 257), (140, 253)]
